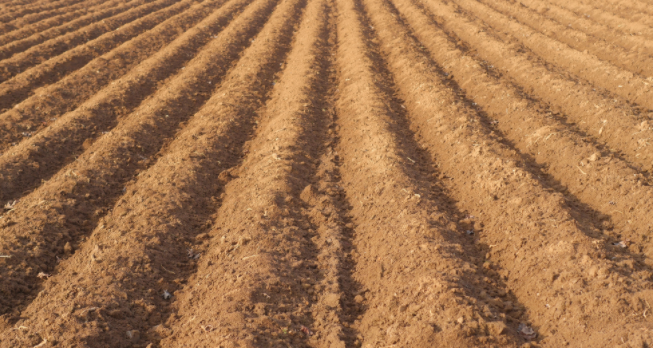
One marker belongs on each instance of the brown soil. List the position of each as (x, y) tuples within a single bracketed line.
[(326, 173)]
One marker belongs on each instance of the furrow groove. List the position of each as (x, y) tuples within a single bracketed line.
[(17, 89), (35, 8), (601, 16), (326, 173), (587, 171), (50, 103), (261, 251), (487, 182), (20, 22), (610, 121), (634, 11), (636, 45), (419, 288), (127, 142), (30, 35), (199, 145), (642, 66), (623, 83), (104, 22)]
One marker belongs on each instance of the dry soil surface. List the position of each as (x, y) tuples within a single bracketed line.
[(326, 173)]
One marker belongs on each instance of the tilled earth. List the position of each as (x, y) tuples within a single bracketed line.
[(326, 173)]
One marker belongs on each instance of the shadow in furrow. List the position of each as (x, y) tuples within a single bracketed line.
[(56, 146), (429, 185), (309, 228), (59, 68), (79, 207), (327, 207), (213, 172), (591, 222)]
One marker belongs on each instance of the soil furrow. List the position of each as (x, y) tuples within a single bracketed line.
[(642, 66), (623, 83), (419, 288), (516, 214), (606, 18), (602, 117), (26, 10), (176, 205), (135, 141), (104, 22), (573, 163), (49, 103), (42, 155), (17, 89), (328, 213), (262, 251), (20, 22), (324, 207), (633, 11), (23, 38), (326, 173), (634, 44), (327, 208)]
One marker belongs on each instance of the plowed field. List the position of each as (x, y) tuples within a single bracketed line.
[(326, 173)]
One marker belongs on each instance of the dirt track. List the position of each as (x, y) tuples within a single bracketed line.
[(326, 173)]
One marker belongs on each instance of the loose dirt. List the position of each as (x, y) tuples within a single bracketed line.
[(326, 173)]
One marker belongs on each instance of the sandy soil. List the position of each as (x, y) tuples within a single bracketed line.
[(326, 173)]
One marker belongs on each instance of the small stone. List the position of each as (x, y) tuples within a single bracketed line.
[(116, 313), (297, 264), (497, 328), (159, 331), (68, 249), (595, 156), (460, 320), (166, 295), (507, 306), (134, 335), (38, 251), (593, 271), (585, 259), (309, 194), (244, 240), (201, 236), (332, 300), (359, 299)]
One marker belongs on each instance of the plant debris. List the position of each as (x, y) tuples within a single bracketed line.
[(207, 328), (306, 331), (623, 243), (526, 332), (192, 255), (43, 275), (10, 205)]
